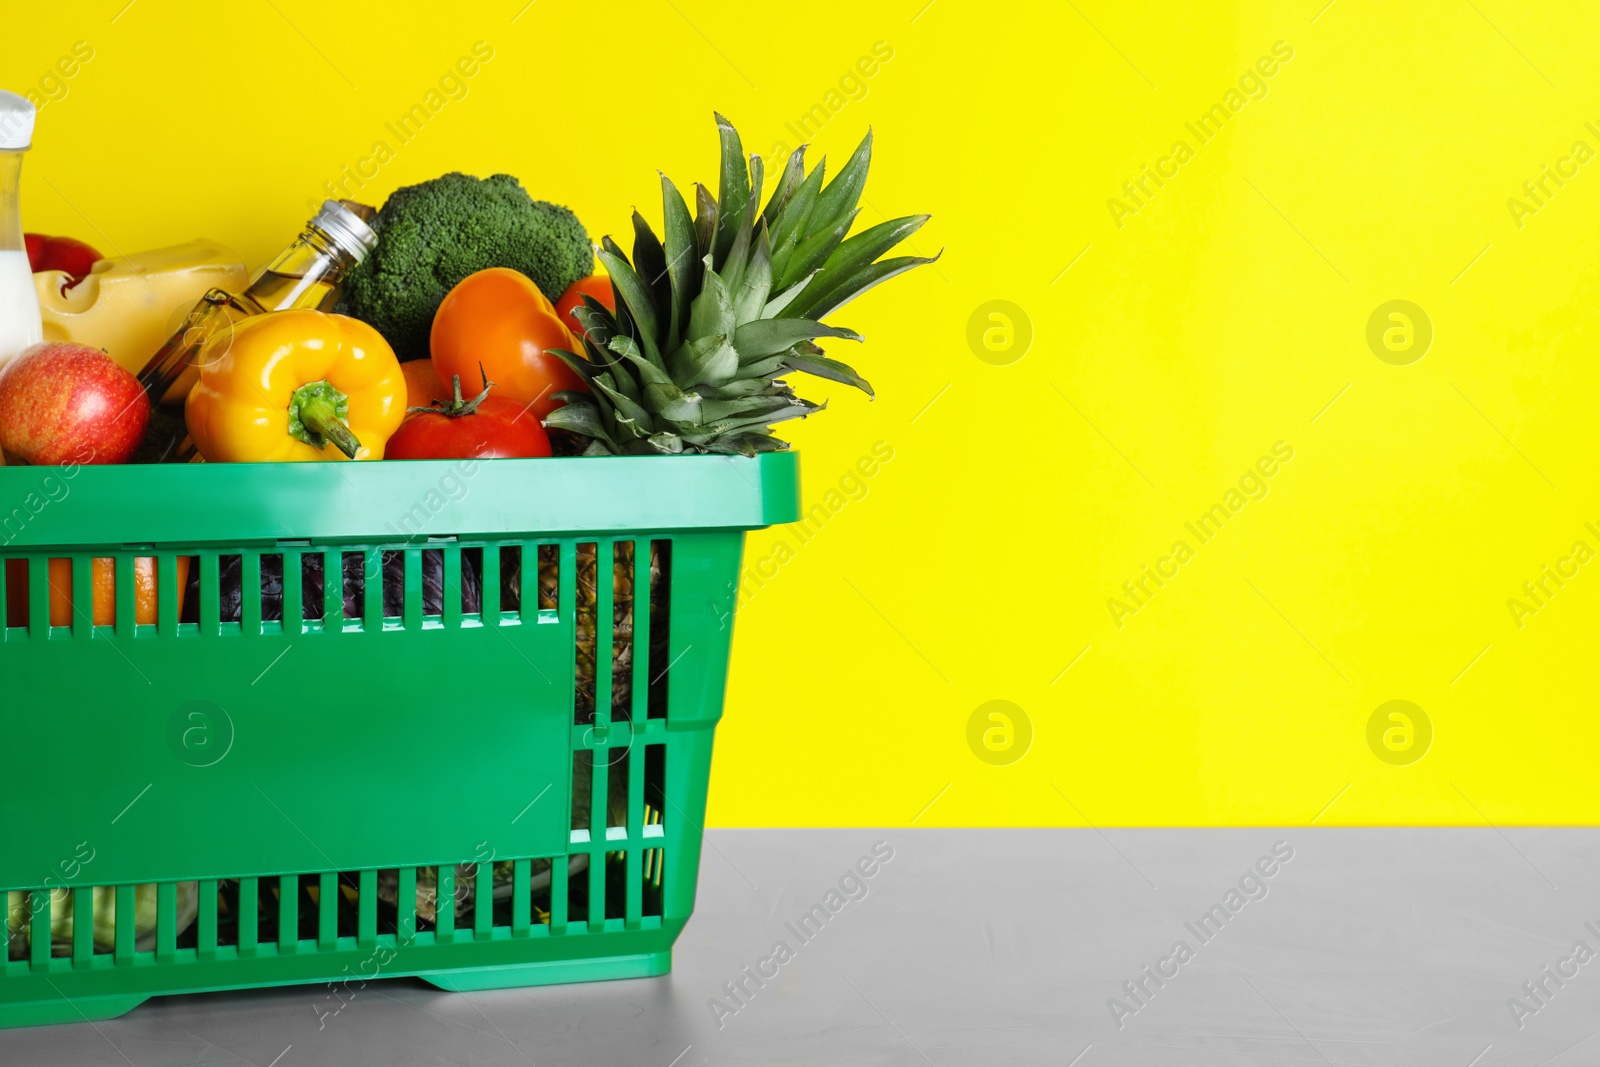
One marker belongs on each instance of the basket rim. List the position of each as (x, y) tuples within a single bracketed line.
[(390, 501)]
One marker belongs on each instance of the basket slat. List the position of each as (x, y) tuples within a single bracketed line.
[(450, 610), (168, 595), (40, 934), (367, 912), (293, 592), (126, 919), (483, 901), (411, 609), (406, 905), (210, 595), (124, 564), (372, 590), (489, 608), (82, 925), (333, 591), (521, 898), (288, 914), (327, 909), (249, 915), (444, 906), (206, 920), (558, 893), (166, 920), (38, 598), (80, 594), (250, 598)]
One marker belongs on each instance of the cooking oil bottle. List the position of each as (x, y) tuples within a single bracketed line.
[(307, 274)]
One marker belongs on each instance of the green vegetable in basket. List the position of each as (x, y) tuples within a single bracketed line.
[(432, 235), (19, 917)]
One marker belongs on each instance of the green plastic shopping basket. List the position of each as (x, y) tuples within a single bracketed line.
[(248, 796)]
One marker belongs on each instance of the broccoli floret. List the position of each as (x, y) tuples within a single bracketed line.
[(432, 235)]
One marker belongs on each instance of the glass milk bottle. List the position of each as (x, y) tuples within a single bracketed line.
[(19, 304)]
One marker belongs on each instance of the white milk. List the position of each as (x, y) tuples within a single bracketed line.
[(19, 305)]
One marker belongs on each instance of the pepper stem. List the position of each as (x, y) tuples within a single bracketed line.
[(317, 416)]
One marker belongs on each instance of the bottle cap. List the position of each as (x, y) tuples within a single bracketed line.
[(16, 122), (346, 229)]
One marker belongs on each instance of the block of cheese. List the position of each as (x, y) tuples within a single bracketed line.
[(130, 305)]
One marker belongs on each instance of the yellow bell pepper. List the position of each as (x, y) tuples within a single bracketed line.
[(297, 385)]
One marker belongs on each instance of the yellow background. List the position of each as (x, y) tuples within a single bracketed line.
[(1228, 313)]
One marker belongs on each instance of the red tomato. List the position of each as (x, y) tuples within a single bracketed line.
[(500, 428), (595, 285), (498, 318)]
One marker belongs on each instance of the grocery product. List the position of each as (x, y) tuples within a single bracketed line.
[(436, 233), (103, 917), (70, 256), (129, 305), (498, 320), (64, 600), (62, 402), (19, 307), (484, 427), (709, 322), (304, 275), (297, 385)]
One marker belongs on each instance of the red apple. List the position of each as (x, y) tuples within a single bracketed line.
[(62, 402)]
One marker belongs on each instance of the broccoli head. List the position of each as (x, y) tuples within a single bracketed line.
[(432, 235)]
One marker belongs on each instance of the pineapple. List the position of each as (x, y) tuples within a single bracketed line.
[(709, 320)]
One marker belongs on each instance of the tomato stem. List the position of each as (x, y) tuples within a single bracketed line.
[(457, 407)]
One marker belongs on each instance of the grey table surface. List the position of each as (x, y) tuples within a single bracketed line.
[(987, 947)]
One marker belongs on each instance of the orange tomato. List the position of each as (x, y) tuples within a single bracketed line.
[(423, 386), (500, 319), (595, 285), (102, 579)]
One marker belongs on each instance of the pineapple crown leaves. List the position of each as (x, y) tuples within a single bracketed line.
[(729, 299)]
